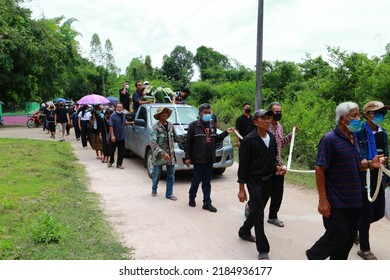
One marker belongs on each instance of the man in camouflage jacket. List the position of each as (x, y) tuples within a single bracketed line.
[(162, 141)]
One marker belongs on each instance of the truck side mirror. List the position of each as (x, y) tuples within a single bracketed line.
[(140, 122)]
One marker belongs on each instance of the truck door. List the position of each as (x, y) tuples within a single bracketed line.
[(141, 135)]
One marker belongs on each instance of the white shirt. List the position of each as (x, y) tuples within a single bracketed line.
[(266, 140), (87, 116)]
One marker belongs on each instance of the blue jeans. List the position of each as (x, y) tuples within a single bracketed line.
[(202, 173), (170, 179)]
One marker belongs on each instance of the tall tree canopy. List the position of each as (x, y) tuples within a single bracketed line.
[(177, 68)]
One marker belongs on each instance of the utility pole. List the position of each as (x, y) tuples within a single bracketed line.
[(259, 56)]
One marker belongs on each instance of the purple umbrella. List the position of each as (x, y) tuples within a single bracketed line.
[(92, 99)]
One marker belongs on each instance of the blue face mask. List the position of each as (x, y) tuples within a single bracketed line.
[(354, 125), (206, 117), (378, 119)]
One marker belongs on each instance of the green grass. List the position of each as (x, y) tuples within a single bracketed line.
[(46, 210)]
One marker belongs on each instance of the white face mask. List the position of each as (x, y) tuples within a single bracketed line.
[(127, 86)]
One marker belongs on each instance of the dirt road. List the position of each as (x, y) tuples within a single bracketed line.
[(161, 229)]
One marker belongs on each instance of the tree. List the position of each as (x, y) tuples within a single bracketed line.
[(34, 54), (137, 70), (277, 75), (211, 63), (149, 67), (177, 68), (97, 57)]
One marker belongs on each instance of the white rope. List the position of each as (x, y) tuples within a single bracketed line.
[(176, 112), (381, 170), (238, 134), (290, 155)]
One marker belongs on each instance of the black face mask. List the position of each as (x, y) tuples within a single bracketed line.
[(277, 117), (247, 110)]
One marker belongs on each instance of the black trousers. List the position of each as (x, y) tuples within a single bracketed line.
[(106, 146), (341, 229), (77, 131), (277, 187), (85, 133), (259, 192), (371, 212), (120, 144)]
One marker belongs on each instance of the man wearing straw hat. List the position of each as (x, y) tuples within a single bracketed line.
[(162, 141)]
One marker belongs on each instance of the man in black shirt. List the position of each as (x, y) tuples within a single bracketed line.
[(257, 164), (124, 96), (244, 123), (200, 149)]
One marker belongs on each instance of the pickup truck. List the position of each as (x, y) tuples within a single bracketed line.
[(137, 136)]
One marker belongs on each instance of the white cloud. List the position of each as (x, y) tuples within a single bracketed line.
[(292, 28)]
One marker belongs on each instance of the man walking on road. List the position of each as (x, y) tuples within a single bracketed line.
[(162, 141), (372, 141), (277, 181), (117, 136), (200, 151), (338, 185), (244, 123), (257, 165)]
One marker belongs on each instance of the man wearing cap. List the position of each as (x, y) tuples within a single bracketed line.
[(337, 169), (200, 150), (257, 164), (372, 141), (162, 141)]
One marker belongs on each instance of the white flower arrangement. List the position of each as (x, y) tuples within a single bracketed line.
[(160, 94)]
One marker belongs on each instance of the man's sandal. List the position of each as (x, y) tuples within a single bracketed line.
[(367, 255), (275, 222)]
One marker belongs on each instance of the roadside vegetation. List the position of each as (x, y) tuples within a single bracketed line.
[(44, 62), (46, 210)]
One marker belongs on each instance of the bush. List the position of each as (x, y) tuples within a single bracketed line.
[(46, 229)]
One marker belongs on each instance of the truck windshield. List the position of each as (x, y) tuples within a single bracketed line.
[(180, 115)]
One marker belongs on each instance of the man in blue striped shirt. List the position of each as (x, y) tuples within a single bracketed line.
[(338, 184)]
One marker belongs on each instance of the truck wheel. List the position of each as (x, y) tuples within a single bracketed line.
[(219, 171), (148, 163)]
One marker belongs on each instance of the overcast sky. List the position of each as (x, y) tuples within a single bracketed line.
[(292, 28)]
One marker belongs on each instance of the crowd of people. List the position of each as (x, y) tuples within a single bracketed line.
[(344, 156)]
